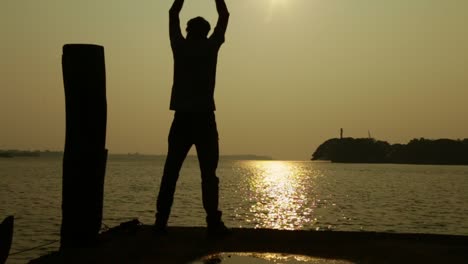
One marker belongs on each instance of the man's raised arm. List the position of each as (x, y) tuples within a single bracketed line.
[(223, 18), (174, 21)]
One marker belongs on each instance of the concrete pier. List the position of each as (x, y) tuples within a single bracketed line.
[(137, 244)]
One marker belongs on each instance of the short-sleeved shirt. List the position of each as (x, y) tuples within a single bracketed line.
[(194, 74)]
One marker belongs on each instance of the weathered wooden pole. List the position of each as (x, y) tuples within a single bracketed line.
[(6, 237), (85, 155)]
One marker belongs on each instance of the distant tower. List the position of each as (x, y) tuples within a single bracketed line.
[(369, 134), (341, 133)]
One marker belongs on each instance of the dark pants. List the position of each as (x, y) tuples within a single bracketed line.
[(189, 129)]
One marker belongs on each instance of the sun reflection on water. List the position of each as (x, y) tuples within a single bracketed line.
[(278, 196)]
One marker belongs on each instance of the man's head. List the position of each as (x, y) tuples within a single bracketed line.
[(198, 28)]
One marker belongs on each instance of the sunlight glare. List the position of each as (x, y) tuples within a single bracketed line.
[(279, 195)]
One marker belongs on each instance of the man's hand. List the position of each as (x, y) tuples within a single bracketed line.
[(176, 7), (174, 22), (221, 8), (221, 26)]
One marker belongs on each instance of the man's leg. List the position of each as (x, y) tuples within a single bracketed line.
[(208, 156), (179, 145)]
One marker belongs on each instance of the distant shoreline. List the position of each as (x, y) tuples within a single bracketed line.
[(18, 153), (47, 153)]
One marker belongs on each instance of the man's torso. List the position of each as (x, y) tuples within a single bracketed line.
[(194, 75)]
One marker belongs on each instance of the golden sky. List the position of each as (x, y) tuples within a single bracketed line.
[(290, 75)]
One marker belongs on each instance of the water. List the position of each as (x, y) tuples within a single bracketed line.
[(262, 194), (265, 258)]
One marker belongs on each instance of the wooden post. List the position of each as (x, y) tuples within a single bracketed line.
[(6, 237), (85, 155)]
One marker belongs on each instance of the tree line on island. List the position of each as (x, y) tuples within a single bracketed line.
[(417, 151)]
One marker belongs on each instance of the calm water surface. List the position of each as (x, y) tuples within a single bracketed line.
[(261, 194)]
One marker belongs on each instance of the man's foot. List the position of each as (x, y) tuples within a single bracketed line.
[(160, 225), (215, 226), (218, 230)]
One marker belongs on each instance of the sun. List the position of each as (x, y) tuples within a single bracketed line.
[(278, 3), (275, 7)]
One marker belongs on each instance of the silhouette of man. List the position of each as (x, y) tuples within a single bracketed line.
[(195, 59)]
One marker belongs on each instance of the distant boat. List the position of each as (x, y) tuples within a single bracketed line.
[(6, 236)]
